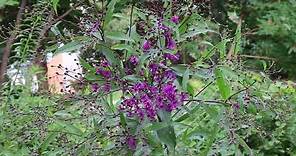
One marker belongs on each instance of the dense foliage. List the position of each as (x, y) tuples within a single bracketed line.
[(158, 78)]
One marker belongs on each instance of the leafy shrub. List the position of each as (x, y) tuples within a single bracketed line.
[(162, 85)]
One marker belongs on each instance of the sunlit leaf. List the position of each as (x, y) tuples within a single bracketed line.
[(70, 47), (109, 13), (222, 84), (55, 4)]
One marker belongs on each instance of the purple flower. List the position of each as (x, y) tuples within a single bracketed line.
[(172, 105), (131, 142), (169, 41), (175, 19), (172, 57), (146, 45), (106, 87), (95, 27), (104, 73), (139, 86), (134, 60), (105, 63), (128, 71), (161, 26), (168, 89), (183, 96), (94, 87), (236, 106), (153, 68), (141, 72), (169, 75)]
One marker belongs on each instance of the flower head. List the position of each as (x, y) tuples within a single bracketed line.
[(131, 142), (104, 73), (146, 45), (236, 106), (172, 57), (169, 41), (106, 87), (134, 60), (161, 26), (95, 87), (104, 63), (175, 19), (95, 26)]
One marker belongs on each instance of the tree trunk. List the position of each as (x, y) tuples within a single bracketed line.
[(9, 43)]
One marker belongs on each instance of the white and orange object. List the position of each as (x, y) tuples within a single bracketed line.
[(62, 70)]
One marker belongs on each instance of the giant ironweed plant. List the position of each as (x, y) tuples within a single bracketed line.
[(158, 79)]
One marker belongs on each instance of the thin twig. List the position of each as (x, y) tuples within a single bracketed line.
[(246, 88), (258, 57), (203, 89)]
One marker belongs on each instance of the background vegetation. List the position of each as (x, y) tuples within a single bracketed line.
[(234, 61)]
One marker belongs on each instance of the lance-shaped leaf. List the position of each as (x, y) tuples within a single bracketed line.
[(118, 36), (167, 136), (109, 54), (222, 83), (69, 47), (109, 13)]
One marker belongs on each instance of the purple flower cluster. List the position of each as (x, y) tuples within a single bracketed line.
[(146, 45), (156, 91), (175, 19), (134, 60), (172, 57), (148, 98), (104, 88), (170, 43), (95, 27), (105, 72), (131, 142)]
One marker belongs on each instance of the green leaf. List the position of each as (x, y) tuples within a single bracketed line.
[(50, 138), (132, 78), (167, 136), (109, 13), (244, 144), (185, 79), (69, 47), (187, 115), (184, 23), (210, 141), (222, 83), (122, 120), (194, 33), (156, 126), (221, 46), (55, 4), (164, 116), (70, 128), (122, 47), (237, 39), (179, 69), (86, 65), (93, 77), (118, 36), (63, 114), (3, 3), (109, 54)]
